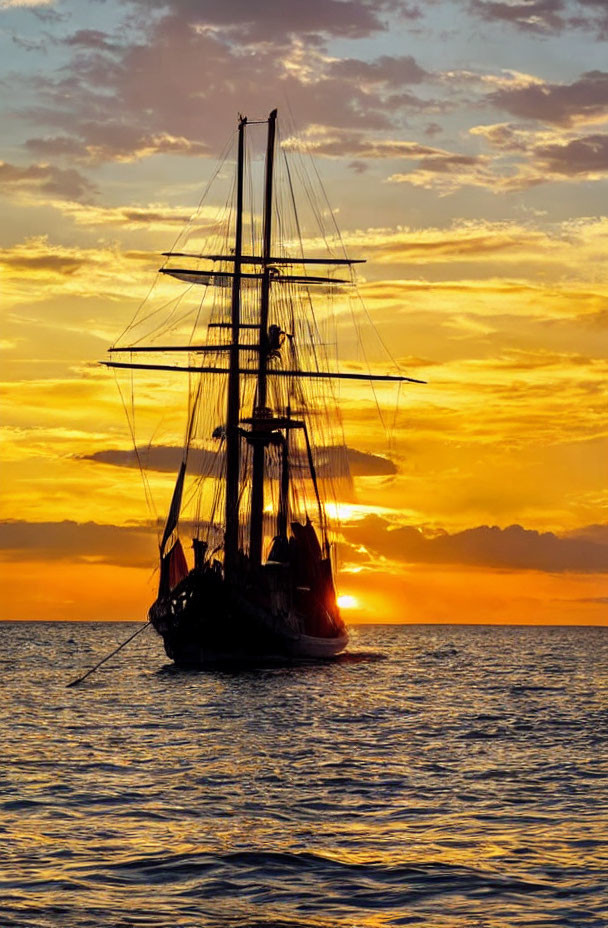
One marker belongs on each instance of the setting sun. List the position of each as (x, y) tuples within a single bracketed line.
[(347, 602)]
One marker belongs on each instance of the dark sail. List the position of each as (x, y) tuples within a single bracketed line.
[(174, 508), (173, 569)]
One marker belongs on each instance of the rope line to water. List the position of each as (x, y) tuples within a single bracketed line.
[(115, 651)]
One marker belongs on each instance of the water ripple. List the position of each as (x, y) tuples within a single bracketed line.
[(435, 776)]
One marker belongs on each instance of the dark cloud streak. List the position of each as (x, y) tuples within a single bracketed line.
[(558, 104), (514, 548), (46, 178), (585, 155), (540, 16), (167, 458), (545, 17), (86, 542), (387, 70)]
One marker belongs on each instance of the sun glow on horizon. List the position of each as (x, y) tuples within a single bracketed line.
[(348, 602), (352, 512)]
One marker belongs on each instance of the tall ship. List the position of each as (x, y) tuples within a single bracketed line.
[(250, 571)]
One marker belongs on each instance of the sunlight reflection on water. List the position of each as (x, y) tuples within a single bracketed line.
[(436, 776)]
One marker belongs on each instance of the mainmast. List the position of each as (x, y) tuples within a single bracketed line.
[(233, 439), (259, 430)]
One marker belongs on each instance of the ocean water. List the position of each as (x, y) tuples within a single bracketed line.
[(435, 776)]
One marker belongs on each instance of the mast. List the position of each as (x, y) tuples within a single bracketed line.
[(260, 440), (283, 513), (233, 439)]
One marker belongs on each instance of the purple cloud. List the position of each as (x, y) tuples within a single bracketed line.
[(270, 20), (585, 155), (386, 70), (92, 38), (62, 182), (545, 16), (196, 64), (528, 15), (365, 145), (559, 104)]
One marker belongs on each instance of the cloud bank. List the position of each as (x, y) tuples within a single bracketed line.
[(513, 548)]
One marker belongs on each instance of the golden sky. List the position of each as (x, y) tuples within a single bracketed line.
[(464, 148)]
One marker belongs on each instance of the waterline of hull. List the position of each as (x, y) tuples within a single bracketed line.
[(297, 648)]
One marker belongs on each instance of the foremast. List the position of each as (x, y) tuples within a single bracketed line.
[(233, 437), (259, 433)]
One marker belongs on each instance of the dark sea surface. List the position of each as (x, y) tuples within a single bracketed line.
[(439, 776)]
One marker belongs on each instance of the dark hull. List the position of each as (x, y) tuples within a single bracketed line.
[(206, 620)]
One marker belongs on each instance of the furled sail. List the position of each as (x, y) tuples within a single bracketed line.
[(175, 507), (224, 279)]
